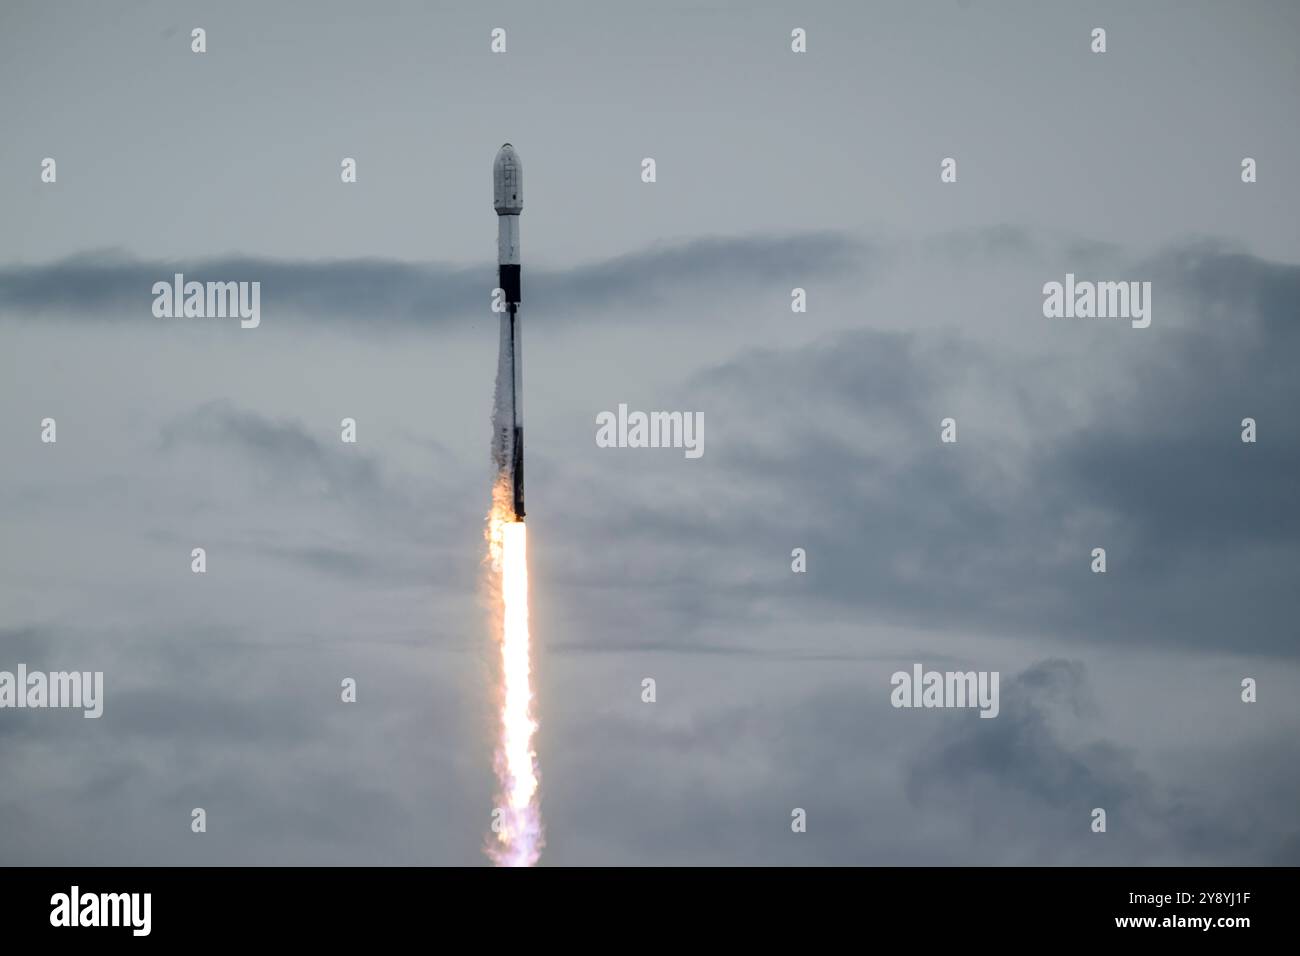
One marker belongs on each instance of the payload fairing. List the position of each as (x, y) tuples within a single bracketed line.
[(508, 421)]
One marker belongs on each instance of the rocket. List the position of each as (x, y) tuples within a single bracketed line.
[(508, 421)]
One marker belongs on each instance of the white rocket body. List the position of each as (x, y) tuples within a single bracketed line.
[(508, 422)]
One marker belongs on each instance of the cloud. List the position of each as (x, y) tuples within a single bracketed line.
[(330, 559), (1019, 751), (288, 455), (834, 447), (103, 285), (1025, 773), (342, 511)]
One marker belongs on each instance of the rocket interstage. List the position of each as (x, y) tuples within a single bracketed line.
[(517, 825), (508, 200)]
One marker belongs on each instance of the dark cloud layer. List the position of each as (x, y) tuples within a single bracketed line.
[(97, 286)]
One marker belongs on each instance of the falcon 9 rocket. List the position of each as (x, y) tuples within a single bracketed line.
[(508, 422)]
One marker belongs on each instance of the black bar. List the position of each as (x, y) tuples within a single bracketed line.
[(435, 906)]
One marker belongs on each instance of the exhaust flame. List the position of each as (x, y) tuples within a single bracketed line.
[(519, 839)]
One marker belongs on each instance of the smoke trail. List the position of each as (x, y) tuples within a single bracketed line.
[(518, 840)]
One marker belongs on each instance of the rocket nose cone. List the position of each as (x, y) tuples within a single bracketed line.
[(507, 182)]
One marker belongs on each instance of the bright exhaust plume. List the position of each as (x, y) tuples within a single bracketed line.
[(518, 839)]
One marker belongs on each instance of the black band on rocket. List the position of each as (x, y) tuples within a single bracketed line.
[(509, 278)]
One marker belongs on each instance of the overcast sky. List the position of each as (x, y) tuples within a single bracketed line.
[(775, 171)]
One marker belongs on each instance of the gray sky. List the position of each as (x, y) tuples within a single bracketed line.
[(774, 171)]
